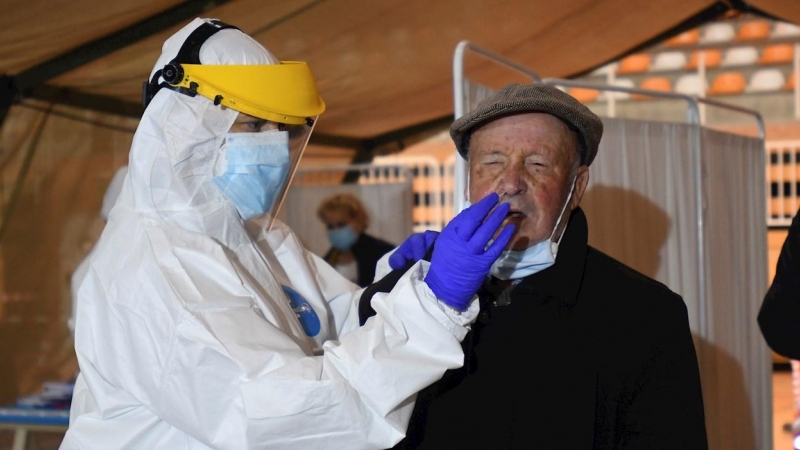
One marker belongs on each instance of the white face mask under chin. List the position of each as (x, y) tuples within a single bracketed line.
[(516, 264)]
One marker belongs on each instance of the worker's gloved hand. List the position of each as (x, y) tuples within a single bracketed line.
[(460, 260), (412, 249)]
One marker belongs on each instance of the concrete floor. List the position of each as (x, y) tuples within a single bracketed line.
[(783, 409)]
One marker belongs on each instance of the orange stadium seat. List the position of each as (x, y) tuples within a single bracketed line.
[(584, 95), (636, 63), (661, 84), (689, 37), (728, 83), (777, 54), (712, 59), (753, 30)]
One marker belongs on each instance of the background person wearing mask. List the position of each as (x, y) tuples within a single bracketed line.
[(572, 349), (353, 252), (203, 323)]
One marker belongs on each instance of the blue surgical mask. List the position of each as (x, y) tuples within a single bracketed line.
[(342, 238), (516, 264), (258, 166)]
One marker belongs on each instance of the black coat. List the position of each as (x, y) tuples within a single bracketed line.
[(367, 250), (589, 354), (779, 317)]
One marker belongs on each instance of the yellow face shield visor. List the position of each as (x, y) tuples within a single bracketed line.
[(284, 93)]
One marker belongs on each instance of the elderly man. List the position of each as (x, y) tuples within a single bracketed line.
[(572, 349)]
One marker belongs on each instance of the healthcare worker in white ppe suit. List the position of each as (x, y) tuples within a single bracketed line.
[(202, 322), (109, 198)]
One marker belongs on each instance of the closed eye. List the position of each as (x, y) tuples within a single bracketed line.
[(536, 162), (490, 161)]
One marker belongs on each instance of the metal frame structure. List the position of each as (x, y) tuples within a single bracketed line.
[(693, 117)]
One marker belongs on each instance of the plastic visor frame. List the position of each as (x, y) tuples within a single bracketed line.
[(284, 93)]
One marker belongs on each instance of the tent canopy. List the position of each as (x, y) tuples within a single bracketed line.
[(383, 67)]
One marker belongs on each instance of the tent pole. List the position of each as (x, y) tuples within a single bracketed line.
[(364, 155), (8, 93)]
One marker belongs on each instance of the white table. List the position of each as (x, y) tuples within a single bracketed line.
[(23, 420)]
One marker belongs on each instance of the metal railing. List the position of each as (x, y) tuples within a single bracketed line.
[(783, 181)]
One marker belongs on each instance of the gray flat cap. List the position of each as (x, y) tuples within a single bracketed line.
[(536, 97)]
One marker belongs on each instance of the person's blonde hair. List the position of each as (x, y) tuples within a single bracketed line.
[(345, 202)]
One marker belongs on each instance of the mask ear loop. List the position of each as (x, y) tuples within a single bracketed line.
[(554, 244)]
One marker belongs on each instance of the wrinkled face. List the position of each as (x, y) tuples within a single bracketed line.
[(530, 160)]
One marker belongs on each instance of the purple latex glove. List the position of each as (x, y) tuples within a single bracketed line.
[(412, 249), (459, 264)]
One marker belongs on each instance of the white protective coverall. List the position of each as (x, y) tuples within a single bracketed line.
[(109, 198), (185, 334)]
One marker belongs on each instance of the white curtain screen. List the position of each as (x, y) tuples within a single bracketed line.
[(642, 205)]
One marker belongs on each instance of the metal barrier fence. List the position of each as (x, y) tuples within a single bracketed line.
[(433, 183), (783, 181)]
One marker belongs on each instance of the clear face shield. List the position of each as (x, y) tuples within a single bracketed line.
[(298, 136)]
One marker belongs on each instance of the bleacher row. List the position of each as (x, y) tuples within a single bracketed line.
[(746, 55), (723, 83), (724, 32), (756, 57)]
